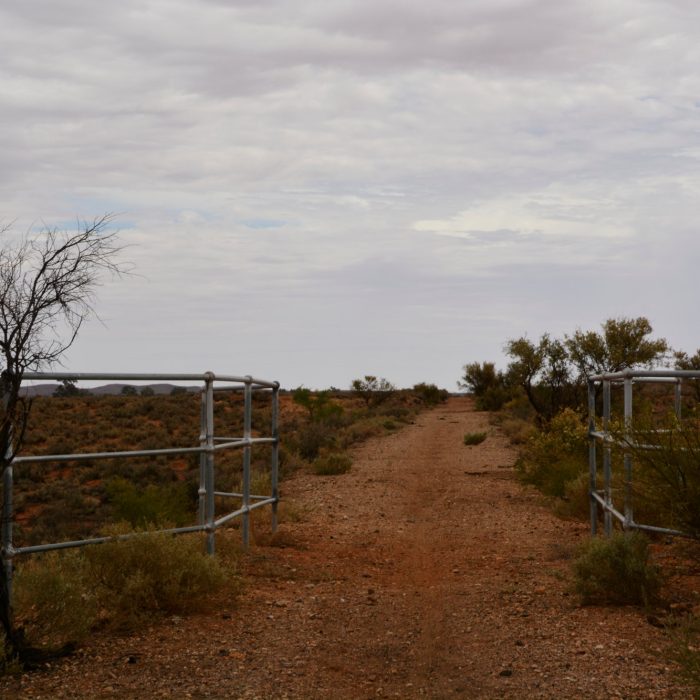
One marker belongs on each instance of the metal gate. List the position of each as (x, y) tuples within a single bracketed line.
[(599, 432), (209, 444)]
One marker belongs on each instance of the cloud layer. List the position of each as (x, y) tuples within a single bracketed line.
[(313, 193)]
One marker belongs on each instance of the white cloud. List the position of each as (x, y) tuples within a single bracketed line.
[(290, 165)]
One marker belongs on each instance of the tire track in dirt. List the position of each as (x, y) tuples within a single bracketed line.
[(427, 571)]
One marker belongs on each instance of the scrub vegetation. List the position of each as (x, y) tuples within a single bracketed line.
[(540, 402), (62, 596)]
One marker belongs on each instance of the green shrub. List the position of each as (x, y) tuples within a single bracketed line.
[(516, 430), (474, 438), (312, 437), (60, 597), (53, 598), (398, 412), (332, 463), (556, 456), (154, 504), (616, 571), (151, 574), (487, 385), (430, 394)]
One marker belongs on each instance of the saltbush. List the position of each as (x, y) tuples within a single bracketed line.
[(616, 571), (60, 597), (554, 457), (152, 574)]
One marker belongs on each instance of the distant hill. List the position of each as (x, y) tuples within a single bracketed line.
[(105, 390)]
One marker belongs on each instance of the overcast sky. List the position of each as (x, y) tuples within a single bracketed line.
[(316, 191)]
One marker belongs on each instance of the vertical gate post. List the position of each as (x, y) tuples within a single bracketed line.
[(209, 470), (629, 514), (202, 491), (592, 461), (274, 466), (247, 426), (678, 402), (607, 459)]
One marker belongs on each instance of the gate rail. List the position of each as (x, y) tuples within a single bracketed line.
[(209, 445), (603, 497)]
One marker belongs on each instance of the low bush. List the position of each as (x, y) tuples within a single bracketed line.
[(430, 394), (616, 571), (474, 438), (516, 430), (312, 437), (332, 463), (155, 504), (60, 597), (150, 575), (554, 457), (53, 598)]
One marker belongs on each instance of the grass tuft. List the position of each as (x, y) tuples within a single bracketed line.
[(332, 463), (474, 438)]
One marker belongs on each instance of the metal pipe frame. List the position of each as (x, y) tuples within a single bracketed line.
[(247, 428), (209, 444), (603, 499)]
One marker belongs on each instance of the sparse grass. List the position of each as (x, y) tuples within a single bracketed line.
[(332, 463), (517, 430), (684, 634), (474, 438), (616, 571)]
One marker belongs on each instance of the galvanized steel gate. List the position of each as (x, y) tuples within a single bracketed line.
[(209, 445), (602, 498)]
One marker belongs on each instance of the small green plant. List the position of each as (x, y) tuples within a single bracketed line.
[(332, 463), (616, 571), (60, 597), (474, 438)]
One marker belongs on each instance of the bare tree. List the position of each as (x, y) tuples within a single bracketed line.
[(47, 289)]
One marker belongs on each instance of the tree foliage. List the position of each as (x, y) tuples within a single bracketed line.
[(372, 390), (623, 344), (552, 373), (67, 387), (488, 385), (688, 362)]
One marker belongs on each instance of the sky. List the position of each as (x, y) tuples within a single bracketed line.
[(311, 192)]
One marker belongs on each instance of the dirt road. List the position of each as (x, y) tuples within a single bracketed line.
[(427, 571)]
